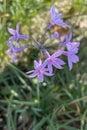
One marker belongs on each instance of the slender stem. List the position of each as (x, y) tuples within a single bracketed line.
[(38, 91)]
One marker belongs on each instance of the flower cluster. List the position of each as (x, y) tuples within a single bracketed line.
[(41, 68), (13, 48)]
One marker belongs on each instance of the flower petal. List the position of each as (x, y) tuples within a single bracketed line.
[(44, 64), (23, 36), (29, 72), (58, 16), (57, 53), (48, 74), (49, 26), (12, 38), (17, 27), (36, 64), (47, 54), (34, 74), (19, 49), (50, 68), (52, 13), (40, 77), (58, 66), (9, 44), (60, 23), (74, 58), (73, 47), (59, 61), (69, 63), (12, 31)]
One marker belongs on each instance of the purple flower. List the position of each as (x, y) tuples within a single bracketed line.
[(55, 19), (53, 60), (55, 35), (15, 33), (68, 39), (71, 53), (73, 47), (72, 58), (39, 71), (13, 50)]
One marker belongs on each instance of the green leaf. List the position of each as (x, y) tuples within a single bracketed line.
[(5, 91)]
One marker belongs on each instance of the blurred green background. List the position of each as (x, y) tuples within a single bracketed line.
[(60, 102)]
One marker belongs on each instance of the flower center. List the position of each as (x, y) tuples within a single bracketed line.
[(39, 72)]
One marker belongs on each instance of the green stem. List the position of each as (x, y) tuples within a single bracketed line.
[(38, 91)]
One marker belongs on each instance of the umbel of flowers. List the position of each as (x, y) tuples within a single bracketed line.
[(45, 67)]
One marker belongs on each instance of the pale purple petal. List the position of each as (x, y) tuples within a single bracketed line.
[(8, 51), (9, 44), (58, 53), (17, 27), (48, 74), (67, 41), (36, 64), (59, 61), (58, 66), (77, 44), (12, 31), (40, 62), (47, 54), (49, 26), (52, 13), (76, 59), (40, 77), (63, 43), (65, 53), (50, 68), (73, 58), (58, 16), (69, 63), (23, 36), (70, 37), (30, 72), (63, 37), (12, 38), (43, 65), (60, 23), (34, 74), (19, 49)]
